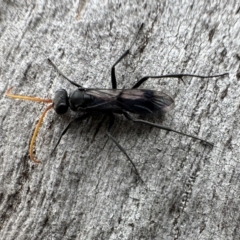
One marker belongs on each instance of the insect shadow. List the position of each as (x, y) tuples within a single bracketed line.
[(109, 102)]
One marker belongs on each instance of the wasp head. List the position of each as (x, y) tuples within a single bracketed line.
[(60, 101)]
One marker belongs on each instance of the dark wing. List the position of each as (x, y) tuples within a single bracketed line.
[(143, 101), (139, 101), (104, 100)]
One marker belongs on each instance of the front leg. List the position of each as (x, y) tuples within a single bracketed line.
[(61, 73), (77, 119)]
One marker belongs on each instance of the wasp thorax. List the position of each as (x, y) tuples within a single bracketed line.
[(76, 99), (60, 101)]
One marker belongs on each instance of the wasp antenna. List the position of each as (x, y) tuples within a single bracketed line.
[(35, 134), (35, 99)]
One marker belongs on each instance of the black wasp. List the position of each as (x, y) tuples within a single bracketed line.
[(108, 102)]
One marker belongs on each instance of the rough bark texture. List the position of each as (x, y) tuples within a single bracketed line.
[(87, 189)]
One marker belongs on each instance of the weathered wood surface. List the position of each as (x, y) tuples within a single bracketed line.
[(87, 190)]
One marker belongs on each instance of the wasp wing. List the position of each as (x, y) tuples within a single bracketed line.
[(138, 101)]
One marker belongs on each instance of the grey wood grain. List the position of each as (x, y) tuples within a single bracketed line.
[(87, 189)]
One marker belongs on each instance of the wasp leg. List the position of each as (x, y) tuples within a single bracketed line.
[(77, 119), (120, 147), (98, 127), (164, 128), (113, 75), (56, 68), (180, 75)]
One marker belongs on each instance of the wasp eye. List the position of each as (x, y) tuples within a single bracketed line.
[(60, 101)]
